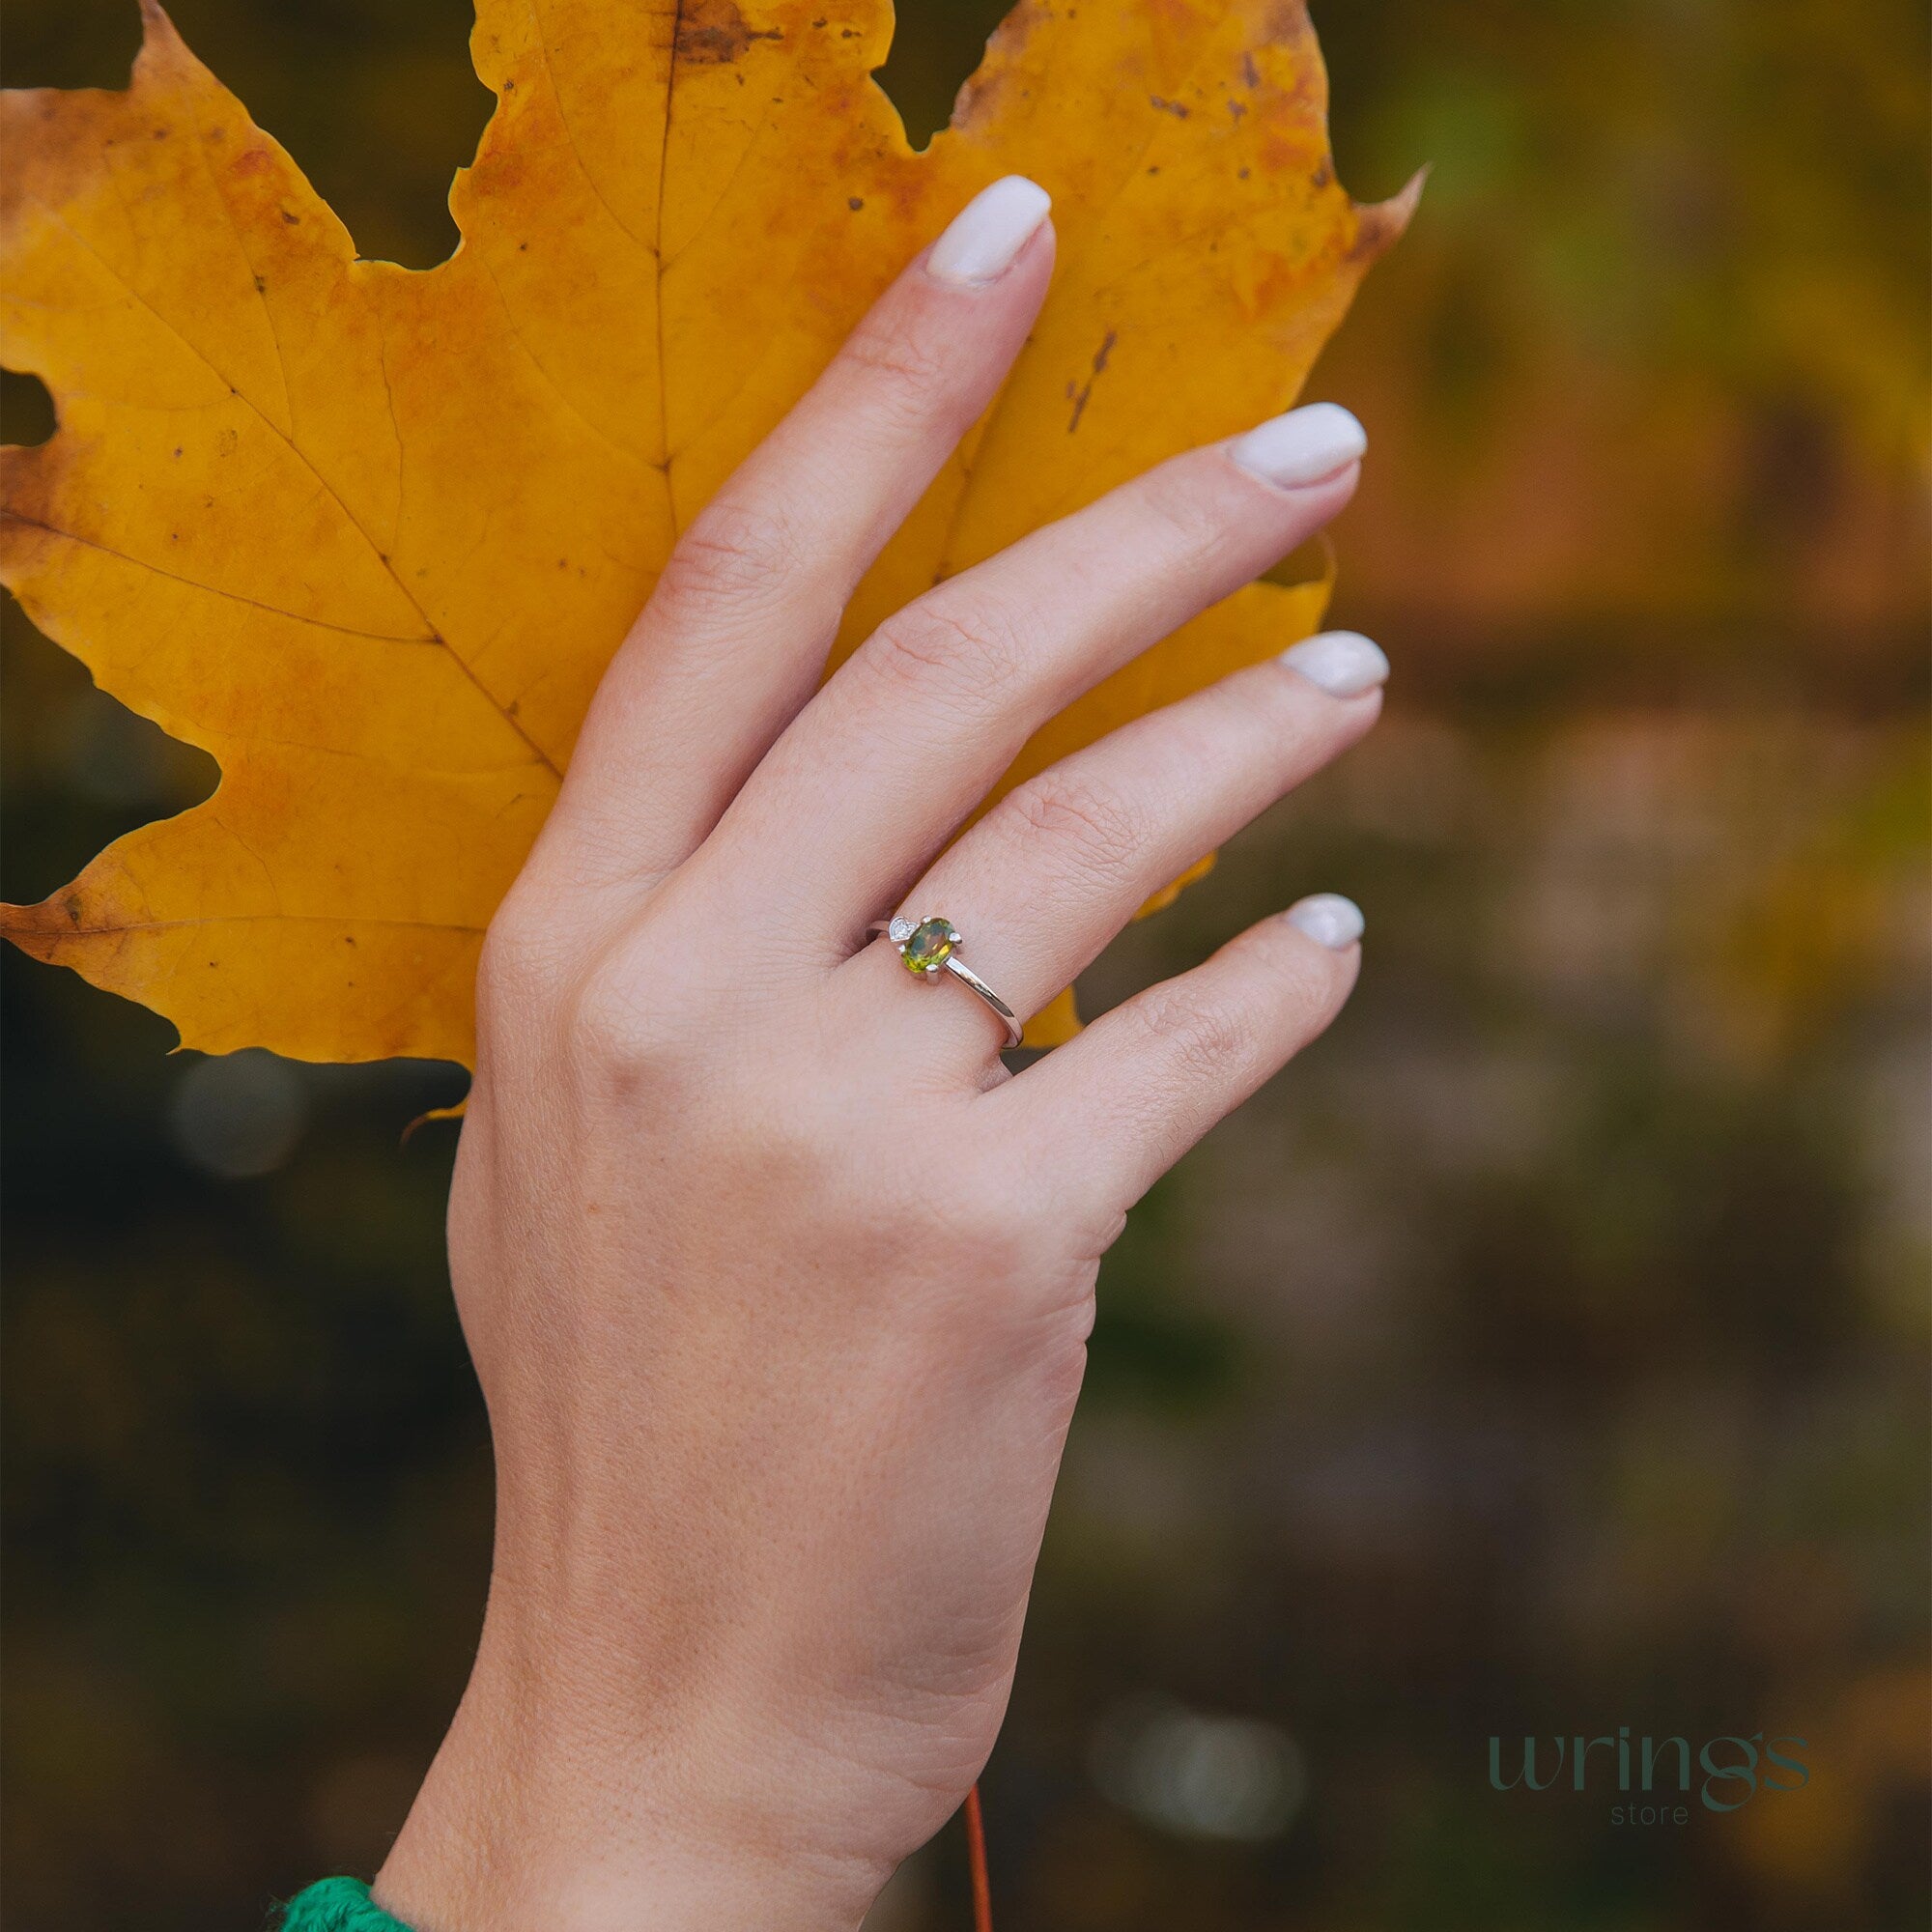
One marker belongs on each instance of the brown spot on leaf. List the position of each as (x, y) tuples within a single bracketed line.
[(1250, 72), (1173, 107), (855, 203), (1085, 395), (715, 32)]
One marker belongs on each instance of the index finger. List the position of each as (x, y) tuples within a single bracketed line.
[(735, 636)]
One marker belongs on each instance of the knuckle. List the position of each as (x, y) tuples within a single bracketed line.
[(632, 1010), (1104, 827), (912, 369), (521, 955), (734, 555), (1203, 1038), (968, 652), (1187, 512), (609, 1027), (1301, 979)]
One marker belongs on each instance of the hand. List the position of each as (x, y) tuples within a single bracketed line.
[(777, 1282)]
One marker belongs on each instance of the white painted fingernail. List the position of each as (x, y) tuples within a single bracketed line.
[(1327, 919), (986, 235), (1303, 447), (1345, 664)]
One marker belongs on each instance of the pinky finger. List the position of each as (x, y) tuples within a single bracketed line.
[(1141, 1085)]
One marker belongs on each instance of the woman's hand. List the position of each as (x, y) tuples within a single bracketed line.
[(777, 1284)]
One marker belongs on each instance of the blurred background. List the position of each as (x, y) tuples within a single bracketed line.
[(1545, 1353)]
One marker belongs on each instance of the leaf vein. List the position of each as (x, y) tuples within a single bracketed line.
[(215, 589), (302, 456)]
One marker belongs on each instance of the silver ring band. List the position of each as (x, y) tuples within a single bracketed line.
[(930, 946)]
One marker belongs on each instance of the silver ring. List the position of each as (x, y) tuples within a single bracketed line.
[(931, 945)]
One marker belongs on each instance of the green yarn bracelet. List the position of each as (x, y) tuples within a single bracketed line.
[(337, 1905)]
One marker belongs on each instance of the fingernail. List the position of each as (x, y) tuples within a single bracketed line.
[(1345, 664), (985, 237), (1327, 919), (1303, 447)]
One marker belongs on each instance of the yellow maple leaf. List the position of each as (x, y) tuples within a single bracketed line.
[(369, 536)]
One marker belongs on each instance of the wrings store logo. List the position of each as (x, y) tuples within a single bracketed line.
[(1729, 1771)]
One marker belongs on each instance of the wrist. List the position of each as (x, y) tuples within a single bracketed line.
[(546, 1806)]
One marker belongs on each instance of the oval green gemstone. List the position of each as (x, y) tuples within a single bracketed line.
[(929, 945)]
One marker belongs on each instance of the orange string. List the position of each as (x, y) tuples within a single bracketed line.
[(976, 1855)]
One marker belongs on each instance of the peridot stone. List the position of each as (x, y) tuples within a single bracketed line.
[(929, 945)]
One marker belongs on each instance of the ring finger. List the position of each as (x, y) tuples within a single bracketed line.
[(1058, 866)]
